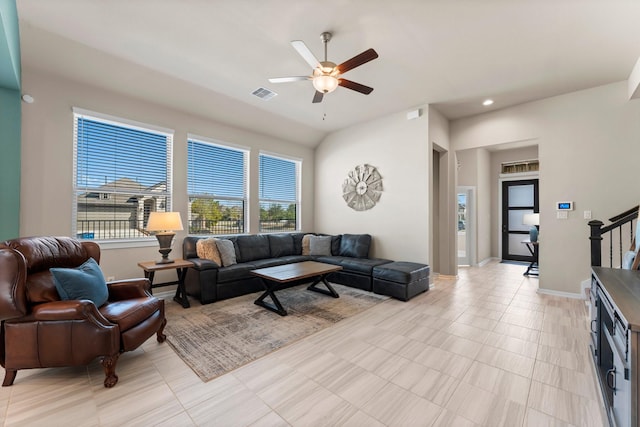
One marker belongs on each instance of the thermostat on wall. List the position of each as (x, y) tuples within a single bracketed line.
[(564, 206)]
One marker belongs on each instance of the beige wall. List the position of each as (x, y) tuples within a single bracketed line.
[(400, 149), (473, 170), (444, 206), (483, 195), (588, 150), (47, 165)]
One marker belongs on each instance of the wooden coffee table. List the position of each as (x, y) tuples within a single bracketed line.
[(274, 276)]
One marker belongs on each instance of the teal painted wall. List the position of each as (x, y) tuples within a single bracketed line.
[(10, 120), (10, 113), (9, 45)]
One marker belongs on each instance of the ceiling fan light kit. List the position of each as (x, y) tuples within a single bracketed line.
[(326, 75), (324, 82)]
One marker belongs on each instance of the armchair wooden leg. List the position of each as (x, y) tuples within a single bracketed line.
[(109, 365), (9, 377), (160, 335)]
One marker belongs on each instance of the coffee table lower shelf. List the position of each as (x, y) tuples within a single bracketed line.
[(272, 277)]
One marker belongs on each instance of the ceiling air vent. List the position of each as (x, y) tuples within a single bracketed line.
[(263, 93)]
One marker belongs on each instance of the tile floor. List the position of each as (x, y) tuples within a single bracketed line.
[(481, 350)]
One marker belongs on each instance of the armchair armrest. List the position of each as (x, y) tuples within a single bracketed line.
[(128, 289), (67, 310)]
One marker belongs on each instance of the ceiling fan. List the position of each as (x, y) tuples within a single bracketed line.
[(326, 75)]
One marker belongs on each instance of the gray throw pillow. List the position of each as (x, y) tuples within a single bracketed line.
[(320, 245), (227, 252)]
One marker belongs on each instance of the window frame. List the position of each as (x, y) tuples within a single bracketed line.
[(298, 184), (142, 241), (246, 152)]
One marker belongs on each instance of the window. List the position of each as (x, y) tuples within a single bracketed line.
[(122, 172), (217, 177), (278, 193)]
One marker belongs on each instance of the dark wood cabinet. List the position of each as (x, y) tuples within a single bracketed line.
[(615, 325)]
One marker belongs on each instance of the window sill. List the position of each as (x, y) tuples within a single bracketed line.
[(125, 244)]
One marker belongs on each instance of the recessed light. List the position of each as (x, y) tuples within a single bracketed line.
[(487, 102)]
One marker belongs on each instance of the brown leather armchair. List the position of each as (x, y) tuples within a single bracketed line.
[(41, 331)]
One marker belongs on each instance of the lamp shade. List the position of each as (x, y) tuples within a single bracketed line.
[(164, 221), (531, 219)]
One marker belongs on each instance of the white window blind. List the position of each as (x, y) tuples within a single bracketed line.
[(279, 193), (122, 172), (217, 187)]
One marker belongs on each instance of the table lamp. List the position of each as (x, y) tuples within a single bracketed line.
[(532, 219), (164, 224)]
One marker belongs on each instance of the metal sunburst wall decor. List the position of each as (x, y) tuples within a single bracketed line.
[(362, 188)]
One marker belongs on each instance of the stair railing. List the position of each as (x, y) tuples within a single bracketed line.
[(614, 235)]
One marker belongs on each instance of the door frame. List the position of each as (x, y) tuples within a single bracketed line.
[(471, 221), (511, 177)]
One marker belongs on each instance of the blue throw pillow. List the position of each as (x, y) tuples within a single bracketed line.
[(84, 282)]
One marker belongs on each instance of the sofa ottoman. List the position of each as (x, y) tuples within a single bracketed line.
[(401, 280)]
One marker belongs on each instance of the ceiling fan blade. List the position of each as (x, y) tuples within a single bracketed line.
[(306, 54), (355, 86), (288, 79), (317, 97), (358, 60)]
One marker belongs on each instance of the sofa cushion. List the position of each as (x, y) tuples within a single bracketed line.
[(253, 247), (320, 245), (281, 245), (355, 245), (227, 252), (207, 249), (268, 262), (335, 244), (295, 258), (297, 243), (83, 282), (236, 272), (355, 265)]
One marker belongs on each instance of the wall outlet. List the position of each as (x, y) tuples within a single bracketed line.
[(111, 278), (587, 214)]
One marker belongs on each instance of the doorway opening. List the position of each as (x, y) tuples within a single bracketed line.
[(466, 226), (519, 197)]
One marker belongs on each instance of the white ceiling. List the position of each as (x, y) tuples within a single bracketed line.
[(206, 56)]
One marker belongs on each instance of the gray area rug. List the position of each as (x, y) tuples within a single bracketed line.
[(216, 338)]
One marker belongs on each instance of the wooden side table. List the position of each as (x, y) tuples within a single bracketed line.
[(181, 266), (532, 270)]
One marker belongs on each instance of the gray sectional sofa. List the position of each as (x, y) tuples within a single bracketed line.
[(208, 282)]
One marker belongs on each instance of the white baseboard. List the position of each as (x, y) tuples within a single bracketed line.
[(486, 261), (560, 293), (584, 285)]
